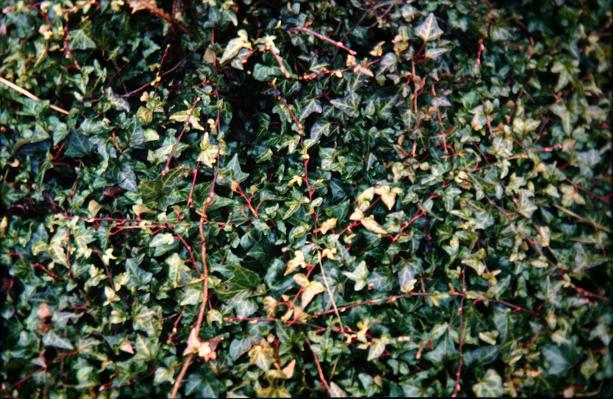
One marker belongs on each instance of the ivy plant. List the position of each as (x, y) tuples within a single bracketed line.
[(304, 198)]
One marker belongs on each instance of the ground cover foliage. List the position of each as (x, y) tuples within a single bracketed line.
[(261, 198)]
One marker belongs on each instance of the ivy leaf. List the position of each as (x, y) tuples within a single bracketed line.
[(242, 282), (388, 195), (489, 386), (188, 115), (232, 172), (488, 336), (208, 151), (238, 347), (244, 278), (319, 129), (336, 391), (177, 270), (265, 73), (371, 224), (359, 276), (558, 359), (475, 261), (234, 46), (428, 30), (80, 40), (117, 102), (261, 355), (127, 178), (313, 106), (444, 349), (78, 146), (146, 349), (327, 225), (434, 53), (407, 279), (146, 319), (162, 375), (190, 296), (54, 340), (309, 292), (377, 347), (162, 243), (296, 262), (273, 391), (161, 192)]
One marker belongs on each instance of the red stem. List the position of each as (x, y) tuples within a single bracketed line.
[(42, 267), (174, 147), (458, 374), (325, 38), (191, 191)]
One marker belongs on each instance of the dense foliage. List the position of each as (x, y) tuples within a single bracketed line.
[(316, 197)]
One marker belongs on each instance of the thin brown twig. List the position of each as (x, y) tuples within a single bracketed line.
[(175, 326), (604, 198), (31, 96), (417, 294), (205, 272), (418, 216), (59, 358), (326, 71), (325, 38), (205, 297), (181, 376), (330, 293), (322, 377), (458, 374), (143, 87), (275, 53), (66, 47), (298, 323), (42, 267), (291, 305), (187, 246), (370, 302), (290, 110), (305, 176), (191, 190), (158, 77), (583, 219), (174, 147), (248, 200), (152, 7), (371, 10), (513, 306), (590, 294)]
